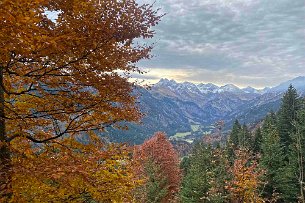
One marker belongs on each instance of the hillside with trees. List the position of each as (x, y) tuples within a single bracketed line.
[(266, 165)]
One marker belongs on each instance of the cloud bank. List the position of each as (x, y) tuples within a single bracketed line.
[(245, 42)]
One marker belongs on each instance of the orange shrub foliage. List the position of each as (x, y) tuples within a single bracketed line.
[(245, 181)]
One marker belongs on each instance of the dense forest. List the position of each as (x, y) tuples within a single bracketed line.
[(266, 165)]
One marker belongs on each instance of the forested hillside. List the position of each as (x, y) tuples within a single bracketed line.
[(262, 164), (266, 165)]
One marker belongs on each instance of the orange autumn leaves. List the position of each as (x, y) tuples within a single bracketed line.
[(72, 172), (159, 152), (63, 80), (70, 76), (246, 178)]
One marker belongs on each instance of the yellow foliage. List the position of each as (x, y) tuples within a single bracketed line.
[(63, 78), (246, 179), (64, 173)]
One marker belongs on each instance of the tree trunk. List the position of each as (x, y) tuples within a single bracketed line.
[(5, 158)]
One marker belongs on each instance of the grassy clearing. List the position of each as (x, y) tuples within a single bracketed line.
[(182, 135), (195, 128)]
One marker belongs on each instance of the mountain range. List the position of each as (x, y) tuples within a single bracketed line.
[(187, 111)]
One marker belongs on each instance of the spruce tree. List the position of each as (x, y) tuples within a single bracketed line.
[(297, 147), (272, 156), (234, 141), (235, 134), (257, 141), (204, 180), (287, 116), (155, 186), (195, 183), (279, 175), (244, 137)]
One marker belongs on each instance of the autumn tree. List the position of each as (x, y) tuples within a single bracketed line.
[(65, 75), (159, 163), (245, 182), (73, 172)]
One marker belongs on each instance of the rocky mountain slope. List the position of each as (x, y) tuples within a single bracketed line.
[(186, 111)]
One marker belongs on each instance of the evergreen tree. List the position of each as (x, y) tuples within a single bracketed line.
[(195, 183), (155, 186), (257, 141), (297, 147), (229, 151), (278, 173), (244, 137), (235, 134), (270, 123), (185, 164), (287, 183), (234, 141), (287, 116), (205, 177)]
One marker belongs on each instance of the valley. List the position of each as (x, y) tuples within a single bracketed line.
[(187, 111)]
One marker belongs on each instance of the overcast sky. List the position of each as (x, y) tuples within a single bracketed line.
[(244, 42)]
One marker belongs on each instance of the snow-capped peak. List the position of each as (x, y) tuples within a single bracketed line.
[(207, 88), (229, 88), (166, 82), (250, 90)]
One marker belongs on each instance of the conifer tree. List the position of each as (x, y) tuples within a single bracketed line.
[(287, 115), (279, 175), (155, 187), (257, 141), (234, 141), (229, 151), (244, 137), (185, 164), (270, 123), (272, 158), (235, 134), (205, 177), (195, 184), (298, 151)]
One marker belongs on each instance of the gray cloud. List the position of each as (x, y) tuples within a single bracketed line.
[(249, 42)]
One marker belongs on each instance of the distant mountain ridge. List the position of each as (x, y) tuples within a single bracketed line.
[(212, 88), (187, 111)]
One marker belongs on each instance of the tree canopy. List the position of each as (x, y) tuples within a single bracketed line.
[(64, 69)]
